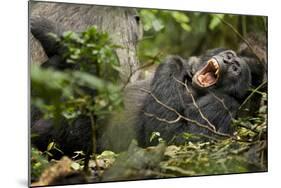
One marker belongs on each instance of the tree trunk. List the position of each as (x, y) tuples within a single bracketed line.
[(120, 23)]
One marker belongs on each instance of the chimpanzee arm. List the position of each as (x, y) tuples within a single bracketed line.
[(41, 28), (164, 85), (165, 91), (218, 109)]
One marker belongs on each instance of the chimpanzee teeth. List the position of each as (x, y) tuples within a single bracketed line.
[(215, 64), (217, 72)]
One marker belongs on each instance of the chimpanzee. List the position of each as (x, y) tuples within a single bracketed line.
[(76, 135), (197, 95)]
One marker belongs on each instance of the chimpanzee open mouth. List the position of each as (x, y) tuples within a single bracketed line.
[(209, 74)]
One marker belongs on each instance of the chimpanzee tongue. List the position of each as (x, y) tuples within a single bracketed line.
[(206, 79)]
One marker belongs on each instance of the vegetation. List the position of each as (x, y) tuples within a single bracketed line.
[(96, 69)]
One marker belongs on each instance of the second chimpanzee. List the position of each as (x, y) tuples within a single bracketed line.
[(69, 136)]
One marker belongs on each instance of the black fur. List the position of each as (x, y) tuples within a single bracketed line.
[(232, 86), (47, 32), (42, 29), (69, 137)]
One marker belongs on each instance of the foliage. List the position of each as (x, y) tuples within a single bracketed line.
[(38, 163), (95, 58), (136, 163), (92, 50), (91, 88), (192, 33), (155, 26), (51, 86), (246, 152)]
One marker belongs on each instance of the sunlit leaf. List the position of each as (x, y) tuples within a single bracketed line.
[(157, 25), (75, 166), (154, 135), (186, 27), (50, 146), (215, 21), (180, 17)]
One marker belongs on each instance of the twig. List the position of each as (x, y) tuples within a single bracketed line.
[(252, 93), (222, 102), (179, 170), (132, 72), (95, 143), (163, 119), (195, 104), (190, 120), (240, 36), (183, 117), (159, 102)]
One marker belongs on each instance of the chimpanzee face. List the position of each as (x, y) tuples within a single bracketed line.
[(223, 70), (223, 65)]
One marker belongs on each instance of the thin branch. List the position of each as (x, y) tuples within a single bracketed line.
[(183, 117), (132, 72), (159, 102), (179, 170), (240, 36), (195, 104), (163, 119), (222, 102), (190, 120), (94, 129), (252, 93)]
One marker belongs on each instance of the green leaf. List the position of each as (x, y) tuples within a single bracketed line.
[(157, 25), (154, 135), (150, 20), (50, 146), (107, 153), (180, 17), (75, 166), (215, 21), (186, 27)]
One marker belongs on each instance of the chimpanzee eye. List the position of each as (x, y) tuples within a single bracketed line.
[(229, 55), (235, 68)]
